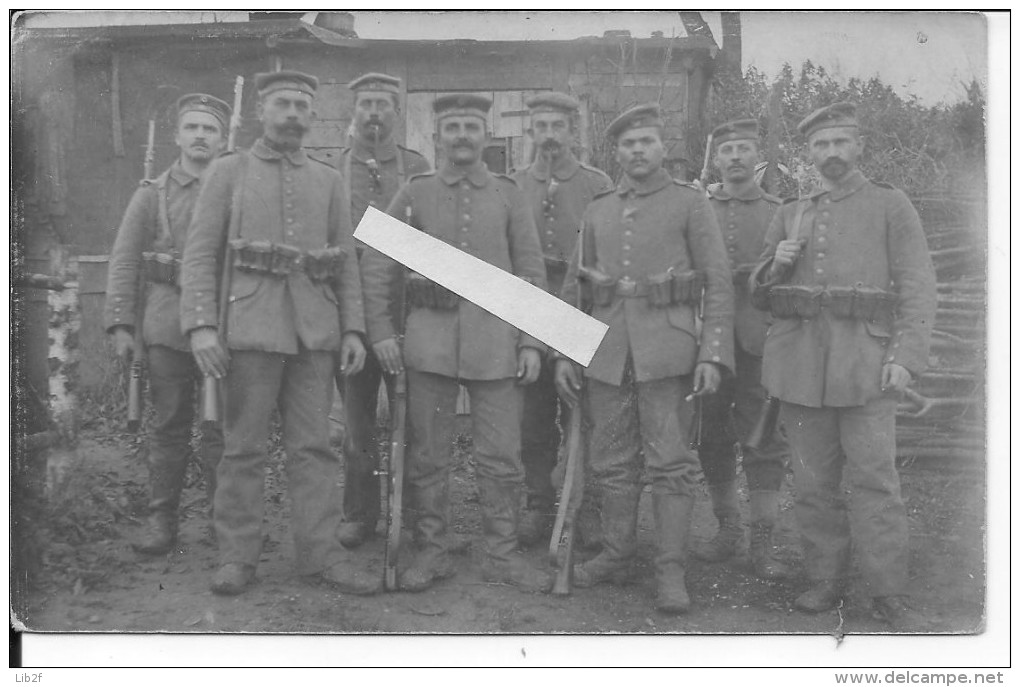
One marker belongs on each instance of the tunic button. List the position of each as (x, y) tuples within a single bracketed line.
[(198, 294), (287, 178), (715, 358), (821, 239), (733, 249), (290, 191), (715, 343), (290, 220), (463, 244), (718, 330), (821, 255), (116, 310), (628, 232), (200, 321), (822, 227), (626, 262), (467, 216), (819, 270), (548, 232), (290, 206), (467, 199), (463, 228), (626, 246), (733, 226), (198, 308)]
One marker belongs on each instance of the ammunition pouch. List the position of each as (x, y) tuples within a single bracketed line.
[(554, 267), (844, 302), (161, 268), (598, 287), (425, 293), (280, 260), (688, 287), (742, 274)]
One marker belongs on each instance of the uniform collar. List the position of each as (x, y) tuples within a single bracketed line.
[(566, 167), (262, 151), (478, 175), (853, 183), (180, 175), (656, 182), (364, 149), (718, 192)]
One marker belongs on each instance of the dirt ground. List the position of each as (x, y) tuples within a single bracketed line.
[(92, 580)]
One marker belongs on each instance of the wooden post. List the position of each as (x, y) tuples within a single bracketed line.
[(118, 129)]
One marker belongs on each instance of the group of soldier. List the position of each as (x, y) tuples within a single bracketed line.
[(715, 299)]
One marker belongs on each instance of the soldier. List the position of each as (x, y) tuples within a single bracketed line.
[(150, 239), (744, 212), (647, 247), (295, 298), (847, 275), (449, 339), (558, 188), (373, 167)]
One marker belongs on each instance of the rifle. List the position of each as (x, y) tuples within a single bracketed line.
[(561, 546), (212, 408), (706, 167), (393, 466), (136, 402)]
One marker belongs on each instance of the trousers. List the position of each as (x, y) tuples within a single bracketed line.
[(174, 380), (849, 452), (728, 417), (301, 387), (641, 418)]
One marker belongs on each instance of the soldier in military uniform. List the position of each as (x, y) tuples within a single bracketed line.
[(646, 249), (744, 212), (848, 278), (450, 340), (149, 241), (374, 166), (558, 188), (295, 298)]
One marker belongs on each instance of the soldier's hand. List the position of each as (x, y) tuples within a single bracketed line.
[(529, 364), (568, 381), (210, 355), (706, 379), (895, 377), (352, 354), (388, 353), (787, 252), (123, 342)]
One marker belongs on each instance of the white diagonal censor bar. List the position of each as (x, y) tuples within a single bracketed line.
[(525, 306)]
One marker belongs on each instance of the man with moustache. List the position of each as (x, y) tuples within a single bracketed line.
[(647, 248), (373, 168), (558, 188), (295, 298), (149, 242), (450, 340), (848, 278), (744, 212)]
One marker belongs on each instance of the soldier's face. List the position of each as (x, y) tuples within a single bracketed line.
[(199, 136), (375, 114), (736, 160), (462, 138), (640, 151), (551, 132), (835, 151), (286, 116)]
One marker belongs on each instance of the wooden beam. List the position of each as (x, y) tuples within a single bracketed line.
[(731, 41)]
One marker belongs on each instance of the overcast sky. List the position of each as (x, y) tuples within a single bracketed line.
[(927, 54)]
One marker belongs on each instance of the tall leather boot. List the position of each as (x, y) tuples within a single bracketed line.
[(672, 529), (430, 514), (619, 540), (166, 479), (500, 507), (726, 507), (764, 516)]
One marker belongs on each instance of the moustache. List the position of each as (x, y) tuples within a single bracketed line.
[(550, 144), (463, 143), (292, 128)]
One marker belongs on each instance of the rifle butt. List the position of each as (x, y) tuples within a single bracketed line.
[(564, 579), (764, 426)]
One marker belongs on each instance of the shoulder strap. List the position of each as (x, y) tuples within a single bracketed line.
[(400, 166), (163, 213)]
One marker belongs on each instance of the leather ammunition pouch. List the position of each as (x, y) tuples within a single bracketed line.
[(161, 268), (554, 267), (844, 302), (425, 293), (688, 287), (280, 260), (597, 287), (742, 274)]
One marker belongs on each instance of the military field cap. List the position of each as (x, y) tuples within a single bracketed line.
[(737, 130), (375, 81), (461, 104), (552, 101), (203, 102), (648, 114), (267, 82), (837, 114)]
